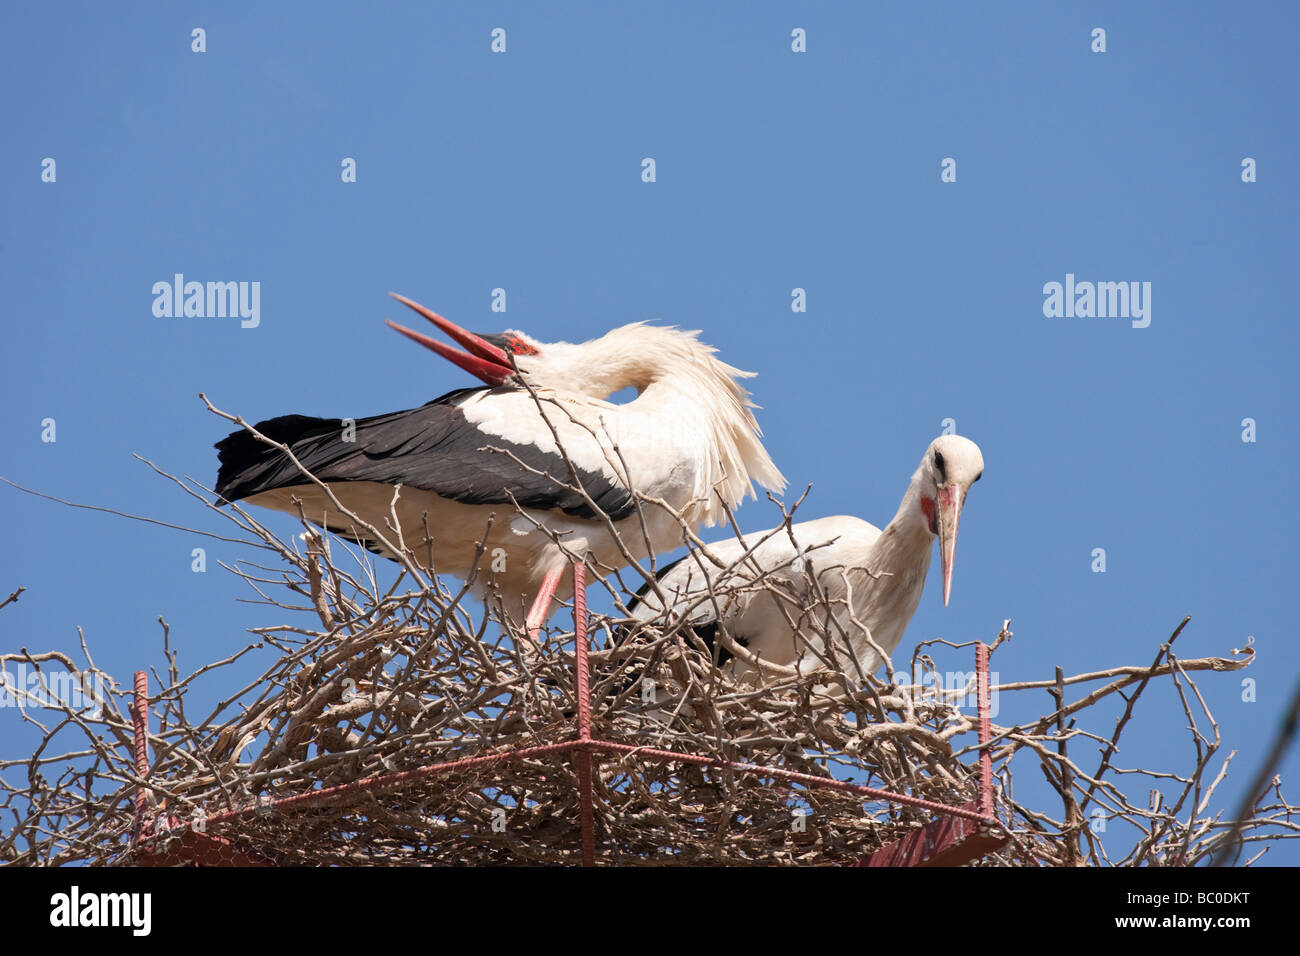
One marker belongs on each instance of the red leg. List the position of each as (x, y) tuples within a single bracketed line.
[(542, 603)]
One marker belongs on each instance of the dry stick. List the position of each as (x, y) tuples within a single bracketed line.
[(120, 514), (12, 598), (1136, 676), (24, 655), (1205, 750), (1128, 713), (1137, 671), (1073, 818), (1231, 847)]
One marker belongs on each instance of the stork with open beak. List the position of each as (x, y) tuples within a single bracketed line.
[(871, 579), (474, 454)]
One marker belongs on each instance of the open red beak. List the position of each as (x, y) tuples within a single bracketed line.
[(481, 359)]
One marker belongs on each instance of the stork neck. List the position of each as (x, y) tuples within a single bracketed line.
[(898, 563), (906, 534), (685, 388), (634, 356)]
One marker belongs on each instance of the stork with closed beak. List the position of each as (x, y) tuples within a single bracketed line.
[(689, 439), (870, 580)]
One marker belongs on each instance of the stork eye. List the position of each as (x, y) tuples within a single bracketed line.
[(519, 346), (978, 477), (938, 464)]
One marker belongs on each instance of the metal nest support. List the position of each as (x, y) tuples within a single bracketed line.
[(572, 796)]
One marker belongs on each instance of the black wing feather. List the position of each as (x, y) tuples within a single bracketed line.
[(433, 448)]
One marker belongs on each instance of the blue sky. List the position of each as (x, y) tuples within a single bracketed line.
[(775, 171)]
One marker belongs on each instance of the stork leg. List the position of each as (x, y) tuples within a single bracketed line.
[(542, 603)]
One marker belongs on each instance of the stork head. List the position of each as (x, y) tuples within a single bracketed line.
[(951, 465), (492, 357), (632, 355), (638, 356)]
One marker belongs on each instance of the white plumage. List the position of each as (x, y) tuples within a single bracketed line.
[(871, 580), (688, 439)]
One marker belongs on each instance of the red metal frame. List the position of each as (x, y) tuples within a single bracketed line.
[(960, 834), (955, 839), (140, 742)]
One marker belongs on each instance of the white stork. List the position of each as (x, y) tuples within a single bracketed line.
[(871, 579), (689, 438)]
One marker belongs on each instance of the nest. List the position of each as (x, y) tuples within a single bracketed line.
[(405, 725)]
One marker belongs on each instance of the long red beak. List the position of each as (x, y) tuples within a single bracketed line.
[(949, 516), (481, 359)]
